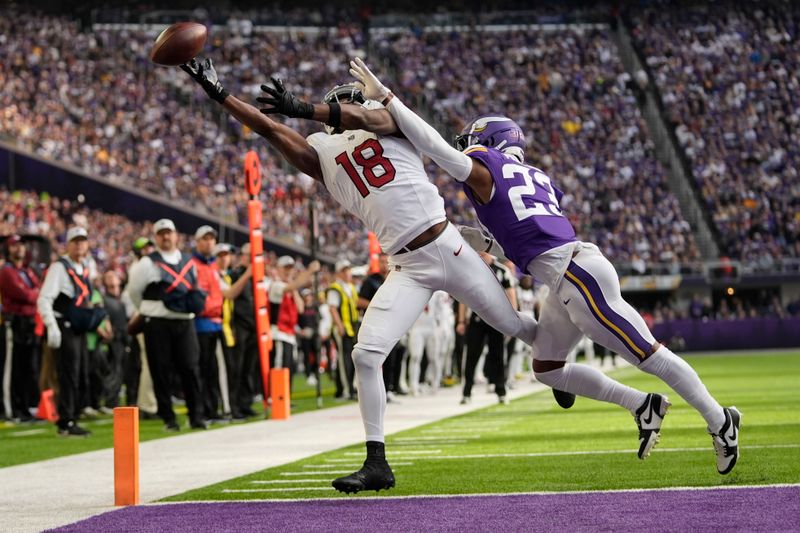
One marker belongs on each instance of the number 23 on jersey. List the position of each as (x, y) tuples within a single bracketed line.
[(376, 170), (542, 197)]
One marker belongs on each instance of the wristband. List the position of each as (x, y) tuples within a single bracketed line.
[(388, 99), (334, 115)]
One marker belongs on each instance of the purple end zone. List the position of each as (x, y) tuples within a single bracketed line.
[(745, 509)]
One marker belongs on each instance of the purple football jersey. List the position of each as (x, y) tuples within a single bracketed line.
[(523, 214)]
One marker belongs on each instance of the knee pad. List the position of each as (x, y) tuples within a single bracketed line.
[(367, 359)]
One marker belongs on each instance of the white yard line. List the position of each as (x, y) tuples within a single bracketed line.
[(584, 452), (29, 432), (281, 489), (406, 452), (351, 465), (281, 481), (316, 472), (416, 439)]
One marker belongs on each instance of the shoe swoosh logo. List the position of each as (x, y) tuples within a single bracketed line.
[(459, 250), (732, 435), (649, 418)]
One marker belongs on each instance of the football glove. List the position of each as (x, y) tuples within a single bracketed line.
[(204, 74), (369, 84), (284, 102)]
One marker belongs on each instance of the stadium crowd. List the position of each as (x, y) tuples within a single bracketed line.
[(731, 87), (583, 121), (568, 90)]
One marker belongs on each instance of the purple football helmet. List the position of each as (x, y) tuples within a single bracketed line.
[(495, 131)]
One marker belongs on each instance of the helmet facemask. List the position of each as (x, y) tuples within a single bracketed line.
[(348, 93)]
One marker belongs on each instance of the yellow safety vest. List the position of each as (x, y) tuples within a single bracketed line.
[(347, 309), (227, 315)]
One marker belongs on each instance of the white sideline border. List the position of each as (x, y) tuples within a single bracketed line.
[(495, 494)]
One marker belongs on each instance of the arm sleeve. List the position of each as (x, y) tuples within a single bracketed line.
[(428, 141), (138, 281), (49, 292)]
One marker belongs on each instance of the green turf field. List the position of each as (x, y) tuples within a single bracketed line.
[(533, 445), (26, 443)]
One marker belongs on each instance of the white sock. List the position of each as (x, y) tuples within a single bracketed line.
[(587, 381), (684, 380), (371, 391)]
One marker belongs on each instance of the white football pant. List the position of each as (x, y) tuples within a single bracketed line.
[(447, 264)]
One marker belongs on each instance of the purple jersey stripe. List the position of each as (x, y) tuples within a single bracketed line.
[(610, 319)]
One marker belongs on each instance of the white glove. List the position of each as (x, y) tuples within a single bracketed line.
[(53, 336), (370, 85), (481, 242)]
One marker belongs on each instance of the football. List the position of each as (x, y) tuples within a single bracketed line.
[(179, 43)]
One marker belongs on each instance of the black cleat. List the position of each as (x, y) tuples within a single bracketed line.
[(564, 399), (374, 475), (73, 430)]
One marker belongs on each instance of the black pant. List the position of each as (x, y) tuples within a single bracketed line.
[(479, 334), (458, 355), (242, 369), (112, 384), (24, 365), (209, 374), (173, 344), (70, 358), (283, 353), (308, 347), (132, 371), (345, 369)]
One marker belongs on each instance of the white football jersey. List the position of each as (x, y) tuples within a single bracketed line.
[(382, 181)]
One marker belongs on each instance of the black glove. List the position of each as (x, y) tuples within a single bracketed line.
[(204, 74), (284, 102)]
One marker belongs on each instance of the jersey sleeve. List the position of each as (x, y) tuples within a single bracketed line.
[(491, 158)]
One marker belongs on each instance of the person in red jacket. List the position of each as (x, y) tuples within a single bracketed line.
[(208, 323), (19, 289)]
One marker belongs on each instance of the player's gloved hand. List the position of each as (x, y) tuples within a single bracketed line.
[(204, 74), (284, 102), (369, 84), (53, 336)]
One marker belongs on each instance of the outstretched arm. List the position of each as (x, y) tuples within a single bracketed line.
[(293, 146), (424, 138), (347, 117)]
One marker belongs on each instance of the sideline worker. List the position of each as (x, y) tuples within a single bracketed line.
[(163, 286), (64, 305)]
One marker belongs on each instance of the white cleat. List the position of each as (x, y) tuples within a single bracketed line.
[(726, 442), (649, 418)]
